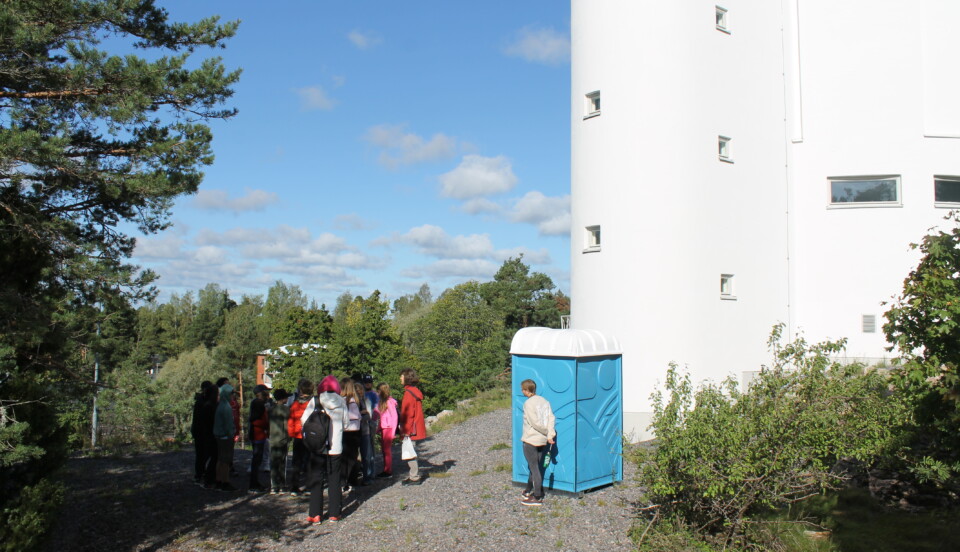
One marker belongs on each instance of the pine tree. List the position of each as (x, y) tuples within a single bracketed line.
[(90, 143)]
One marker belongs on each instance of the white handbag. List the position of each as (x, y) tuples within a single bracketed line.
[(407, 451)]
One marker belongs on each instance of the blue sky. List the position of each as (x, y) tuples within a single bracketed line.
[(379, 145)]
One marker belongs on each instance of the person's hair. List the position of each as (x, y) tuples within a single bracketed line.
[(529, 385), (358, 390), (212, 393), (384, 391), (410, 376), (280, 394), (221, 381), (204, 386), (305, 387), (329, 384), (349, 390)]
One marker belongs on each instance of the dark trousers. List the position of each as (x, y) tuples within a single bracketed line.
[(351, 447), (324, 468), (366, 455), (298, 468), (256, 462), (534, 458), (278, 466), (211, 455), (200, 461)]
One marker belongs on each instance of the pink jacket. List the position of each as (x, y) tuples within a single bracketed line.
[(388, 418)]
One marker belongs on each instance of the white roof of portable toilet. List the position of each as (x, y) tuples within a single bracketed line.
[(563, 343)]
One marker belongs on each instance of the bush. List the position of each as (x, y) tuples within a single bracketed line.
[(724, 456), (24, 521)]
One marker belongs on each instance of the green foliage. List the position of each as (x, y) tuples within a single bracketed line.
[(924, 324), (459, 345), (178, 384), (726, 456), (25, 519)]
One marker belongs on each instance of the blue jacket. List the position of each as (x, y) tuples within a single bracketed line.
[(223, 419)]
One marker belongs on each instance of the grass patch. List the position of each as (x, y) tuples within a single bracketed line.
[(503, 467), (381, 524), (487, 401), (440, 475), (479, 472), (499, 446)]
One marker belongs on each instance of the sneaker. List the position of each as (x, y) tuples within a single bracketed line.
[(296, 492), (525, 495), (532, 501), (256, 489), (384, 475), (333, 519), (417, 481), (274, 491), (314, 520), (347, 489)]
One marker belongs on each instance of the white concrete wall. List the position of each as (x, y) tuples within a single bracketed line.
[(673, 217)]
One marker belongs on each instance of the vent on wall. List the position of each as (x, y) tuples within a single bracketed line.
[(869, 323)]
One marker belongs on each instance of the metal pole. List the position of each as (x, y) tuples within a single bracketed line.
[(96, 387)]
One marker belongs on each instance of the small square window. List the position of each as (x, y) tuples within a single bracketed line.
[(868, 323), (591, 239), (865, 191), (724, 149), (722, 20), (592, 104), (726, 287), (946, 191)]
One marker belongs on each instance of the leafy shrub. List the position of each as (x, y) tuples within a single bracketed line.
[(726, 456), (25, 520)]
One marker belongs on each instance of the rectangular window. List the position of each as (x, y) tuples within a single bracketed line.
[(592, 104), (722, 20), (865, 191), (946, 191), (591, 239), (726, 287), (868, 323), (724, 149)]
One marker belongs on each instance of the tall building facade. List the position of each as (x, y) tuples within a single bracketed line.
[(741, 164)]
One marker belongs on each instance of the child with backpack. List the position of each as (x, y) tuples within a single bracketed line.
[(279, 440), (301, 457), (323, 422)]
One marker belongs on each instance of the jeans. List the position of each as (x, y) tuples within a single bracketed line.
[(255, 462), (301, 458), (366, 456), (325, 468), (534, 456), (348, 460)]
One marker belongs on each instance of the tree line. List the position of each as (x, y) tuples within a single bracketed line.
[(155, 356)]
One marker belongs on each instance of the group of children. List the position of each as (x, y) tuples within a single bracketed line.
[(353, 413)]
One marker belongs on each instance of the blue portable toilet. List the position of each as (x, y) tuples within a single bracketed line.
[(579, 372)]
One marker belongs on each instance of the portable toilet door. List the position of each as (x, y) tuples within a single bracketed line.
[(579, 372)]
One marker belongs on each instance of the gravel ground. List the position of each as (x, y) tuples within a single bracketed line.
[(468, 502)]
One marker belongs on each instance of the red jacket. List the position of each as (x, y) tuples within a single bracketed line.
[(294, 428), (412, 422)]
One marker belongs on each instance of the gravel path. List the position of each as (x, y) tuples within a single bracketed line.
[(468, 502)]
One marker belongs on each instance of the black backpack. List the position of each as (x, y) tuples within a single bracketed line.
[(316, 430)]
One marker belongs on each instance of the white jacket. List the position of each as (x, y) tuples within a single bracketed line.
[(538, 421), (337, 410)]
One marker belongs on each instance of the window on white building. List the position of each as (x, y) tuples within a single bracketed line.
[(724, 149), (722, 20), (591, 240), (946, 191), (865, 191), (726, 287), (868, 323), (592, 104)]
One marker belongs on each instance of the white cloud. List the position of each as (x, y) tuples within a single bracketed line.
[(237, 237), (480, 205), (540, 45), (165, 246), (405, 148), (314, 98), (551, 215), (219, 200), (351, 221), (478, 176), (538, 257), (364, 40), (473, 269), (434, 241)]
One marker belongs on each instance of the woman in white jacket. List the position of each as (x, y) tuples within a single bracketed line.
[(328, 394)]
